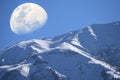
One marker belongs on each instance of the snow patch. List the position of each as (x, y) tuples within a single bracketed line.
[(25, 70), (92, 32), (36, 49)]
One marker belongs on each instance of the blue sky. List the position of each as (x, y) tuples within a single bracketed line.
[(63, 16)]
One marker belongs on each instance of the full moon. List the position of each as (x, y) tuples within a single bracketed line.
[(27, 18)]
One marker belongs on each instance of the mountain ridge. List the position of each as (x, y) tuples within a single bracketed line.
[(94, 46)]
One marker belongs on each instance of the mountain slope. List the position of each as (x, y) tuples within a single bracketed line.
[(88, 54)]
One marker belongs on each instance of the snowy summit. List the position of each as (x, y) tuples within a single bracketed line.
[(88, 54)]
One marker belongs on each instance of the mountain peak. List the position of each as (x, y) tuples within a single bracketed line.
[(77, 55)]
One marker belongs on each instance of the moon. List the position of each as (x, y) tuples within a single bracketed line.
[(27, 17)]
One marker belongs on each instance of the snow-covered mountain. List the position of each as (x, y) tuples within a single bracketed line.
[(88, 54)]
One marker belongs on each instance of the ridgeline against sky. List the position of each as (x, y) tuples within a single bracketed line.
[(64, 16)]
